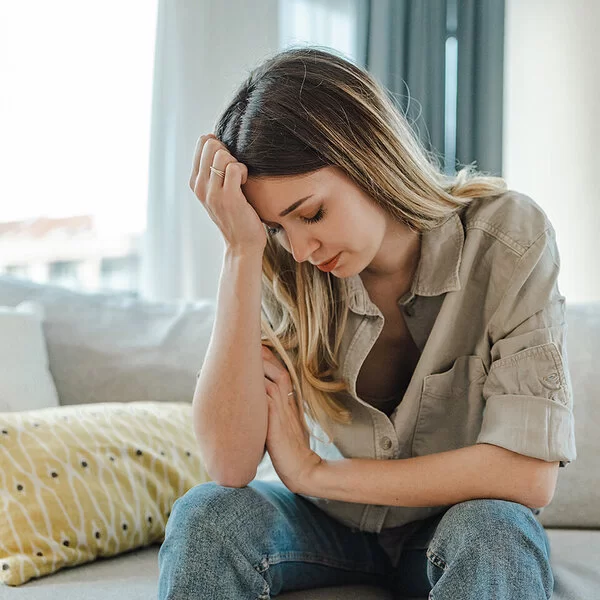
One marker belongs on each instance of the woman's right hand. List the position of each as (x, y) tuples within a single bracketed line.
[(223, 198)]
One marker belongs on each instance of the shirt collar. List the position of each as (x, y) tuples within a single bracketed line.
[(437, 271)]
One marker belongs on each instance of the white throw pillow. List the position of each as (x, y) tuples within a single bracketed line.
[(25, 379)]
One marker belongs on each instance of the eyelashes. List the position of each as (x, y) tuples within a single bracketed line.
[(320, 214)]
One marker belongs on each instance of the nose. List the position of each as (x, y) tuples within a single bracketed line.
[(300, 256), (300, 249)]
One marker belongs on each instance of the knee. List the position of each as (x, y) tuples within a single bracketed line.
[(488, 522), (209, 505), (484, 535)]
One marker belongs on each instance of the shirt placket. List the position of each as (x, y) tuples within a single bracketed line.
[(385, 437)]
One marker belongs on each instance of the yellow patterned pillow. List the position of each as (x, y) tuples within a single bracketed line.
[(79, 482)]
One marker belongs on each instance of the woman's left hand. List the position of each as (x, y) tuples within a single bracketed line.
[(287, 443)]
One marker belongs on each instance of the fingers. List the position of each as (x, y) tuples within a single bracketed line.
[(207, 159), (270, 387), (274, 370), (211, 152), (197, 154), (236, 176), (271, 371), (204, 150), (196, 161)]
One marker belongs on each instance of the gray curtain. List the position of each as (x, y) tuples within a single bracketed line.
[(454, 105)]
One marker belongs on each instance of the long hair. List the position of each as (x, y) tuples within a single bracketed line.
[(303, 109)]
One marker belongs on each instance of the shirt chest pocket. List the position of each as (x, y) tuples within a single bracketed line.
[(451, 407)]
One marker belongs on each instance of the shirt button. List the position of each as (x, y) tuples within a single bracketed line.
[(552, 381), (386, 443)]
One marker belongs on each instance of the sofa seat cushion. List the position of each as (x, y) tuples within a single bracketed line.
[(575, 555)]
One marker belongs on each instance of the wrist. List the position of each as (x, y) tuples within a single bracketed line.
[(245, 252), (309, 484)]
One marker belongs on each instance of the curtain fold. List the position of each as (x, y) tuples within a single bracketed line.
[(479, 123), (455, 109), (405, 52)]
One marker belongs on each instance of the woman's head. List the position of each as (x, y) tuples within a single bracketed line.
[(333, 216), (309, 122), (306, 108)]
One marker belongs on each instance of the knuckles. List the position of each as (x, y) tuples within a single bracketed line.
[(208, 143), (221, 152)]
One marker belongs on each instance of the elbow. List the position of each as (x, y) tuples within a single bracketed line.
[(230, 472), (541, 491), (534, 503), (226, 478), (234, 482), (543, 498), (234, 485)]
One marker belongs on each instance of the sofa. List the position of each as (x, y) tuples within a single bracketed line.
[(115, 347)]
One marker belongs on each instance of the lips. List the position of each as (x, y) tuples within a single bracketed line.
[(324, 264), (330, 265)]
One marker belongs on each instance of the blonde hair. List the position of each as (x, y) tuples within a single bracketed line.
[(307, 108)]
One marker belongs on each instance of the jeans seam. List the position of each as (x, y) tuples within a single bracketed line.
[(436, 560), (292, 555), (265, 594), (267, 561)]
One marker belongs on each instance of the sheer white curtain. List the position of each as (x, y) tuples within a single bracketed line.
[(203, 51), (338, 24)]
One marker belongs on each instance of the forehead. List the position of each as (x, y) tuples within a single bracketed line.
[(288, 188), (256, 188)]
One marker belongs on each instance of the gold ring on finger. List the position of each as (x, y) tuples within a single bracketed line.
[(219, 173)]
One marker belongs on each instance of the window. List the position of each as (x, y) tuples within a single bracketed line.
[(75, 121), (64, 272), (120, 273)]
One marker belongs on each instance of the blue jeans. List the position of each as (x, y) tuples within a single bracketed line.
[(262, 540)]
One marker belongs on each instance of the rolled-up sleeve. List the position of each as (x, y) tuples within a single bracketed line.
[(528, 398)]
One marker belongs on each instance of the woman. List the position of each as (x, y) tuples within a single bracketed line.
[(409, 315)]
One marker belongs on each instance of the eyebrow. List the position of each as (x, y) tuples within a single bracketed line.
[(292, 207)]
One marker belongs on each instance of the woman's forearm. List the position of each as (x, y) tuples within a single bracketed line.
[(445, 478), (229, 408)]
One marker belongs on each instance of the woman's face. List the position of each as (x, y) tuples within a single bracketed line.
[(335, 217)]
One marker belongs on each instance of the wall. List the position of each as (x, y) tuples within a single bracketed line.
[(552, 127)]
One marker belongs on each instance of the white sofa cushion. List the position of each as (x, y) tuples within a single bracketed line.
[(110, 347), (26, 381)]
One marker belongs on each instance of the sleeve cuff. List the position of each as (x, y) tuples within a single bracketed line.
[(529, 425)]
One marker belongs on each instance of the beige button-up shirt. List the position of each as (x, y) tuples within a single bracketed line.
[(486, 313)]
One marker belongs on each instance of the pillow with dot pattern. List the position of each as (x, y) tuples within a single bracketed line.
[(82, 481)]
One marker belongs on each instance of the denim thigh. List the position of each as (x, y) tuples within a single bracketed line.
[(419, 564), (490, 548), (261, 540)]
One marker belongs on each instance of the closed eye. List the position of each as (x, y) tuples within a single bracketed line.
[(320, 214)]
